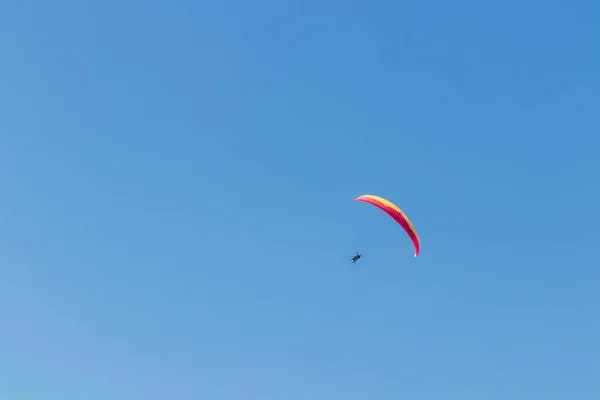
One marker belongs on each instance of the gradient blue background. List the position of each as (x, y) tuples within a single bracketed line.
[(177, 200)]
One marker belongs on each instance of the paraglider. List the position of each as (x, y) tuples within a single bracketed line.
[(356, 257), (397, 214)]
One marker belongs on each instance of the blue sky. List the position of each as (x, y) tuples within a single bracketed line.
[(178, 182)]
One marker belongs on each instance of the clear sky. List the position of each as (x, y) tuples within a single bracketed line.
[(178, 183)]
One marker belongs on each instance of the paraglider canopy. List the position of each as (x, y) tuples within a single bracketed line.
[(395, 212)]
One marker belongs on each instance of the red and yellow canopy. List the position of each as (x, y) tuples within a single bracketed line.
[(395, 212)]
